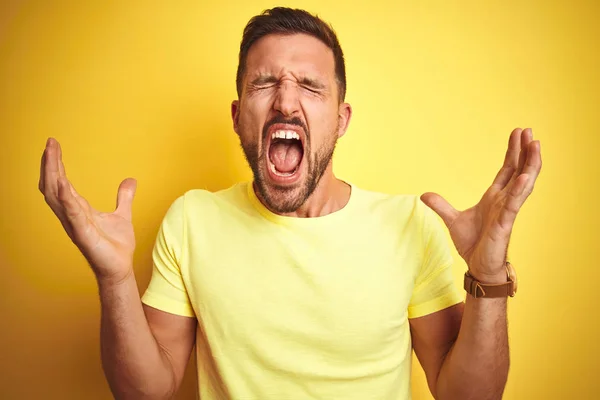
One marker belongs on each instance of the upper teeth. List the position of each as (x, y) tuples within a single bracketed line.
[(285, 135)]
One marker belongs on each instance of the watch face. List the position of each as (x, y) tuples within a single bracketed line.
[(512, 276)]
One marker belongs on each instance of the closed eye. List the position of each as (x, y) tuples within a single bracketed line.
[(310, 89), (312, 84)]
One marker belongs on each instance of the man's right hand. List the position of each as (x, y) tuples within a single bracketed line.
[(106, 240)]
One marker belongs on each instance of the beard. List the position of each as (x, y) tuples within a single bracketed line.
[(286, 199)]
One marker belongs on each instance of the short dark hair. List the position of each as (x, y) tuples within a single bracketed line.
[(288, 21)]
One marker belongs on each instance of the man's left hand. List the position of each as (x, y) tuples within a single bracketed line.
[(481, 233)]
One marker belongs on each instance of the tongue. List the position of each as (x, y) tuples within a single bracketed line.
[(285, 155)]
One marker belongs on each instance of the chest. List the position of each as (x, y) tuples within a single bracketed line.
[(345, 291)]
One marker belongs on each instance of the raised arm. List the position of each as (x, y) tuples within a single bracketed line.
[(144, 350), (470, 359)]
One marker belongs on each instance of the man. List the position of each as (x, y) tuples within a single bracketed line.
[(299, 285)]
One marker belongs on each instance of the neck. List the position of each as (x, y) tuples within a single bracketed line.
[(330, 195)]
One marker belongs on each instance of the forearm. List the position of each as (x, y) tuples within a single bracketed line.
[(133, 362), (477, 365)]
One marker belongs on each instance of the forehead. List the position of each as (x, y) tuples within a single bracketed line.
[(299, 54)]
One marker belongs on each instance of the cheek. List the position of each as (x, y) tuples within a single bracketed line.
[(323, 123), (255, 108), (249, 125)]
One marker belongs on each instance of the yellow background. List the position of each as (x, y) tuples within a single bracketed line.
[(144, 90)]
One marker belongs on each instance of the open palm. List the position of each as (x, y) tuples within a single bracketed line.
[(106, 240), (481, 234)]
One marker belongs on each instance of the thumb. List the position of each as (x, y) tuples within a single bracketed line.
[(441, 207), (125, 198)]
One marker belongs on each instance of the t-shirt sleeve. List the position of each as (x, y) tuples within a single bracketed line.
[(166, 290), (435, 288)]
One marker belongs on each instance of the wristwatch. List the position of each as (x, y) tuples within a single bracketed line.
[(478, 289)]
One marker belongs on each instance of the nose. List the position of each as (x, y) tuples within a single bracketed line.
[(286, 99)]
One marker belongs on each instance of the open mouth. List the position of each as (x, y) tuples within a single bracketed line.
[(286, 152)]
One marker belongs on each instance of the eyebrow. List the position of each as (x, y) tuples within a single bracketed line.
[(268, 79)]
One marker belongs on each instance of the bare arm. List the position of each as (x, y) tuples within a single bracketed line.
[(468, 359), (144, 350), (432, 337), (476, 364)]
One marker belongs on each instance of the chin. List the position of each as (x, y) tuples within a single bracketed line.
[(283, 198)]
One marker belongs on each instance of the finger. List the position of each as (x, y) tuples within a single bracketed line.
[(61, 167), (125, 198), (514, 144), (74, 214), (511, 159), (83, 203), (513, 204), (441, 207), (533, 166), (42, 172), (51, 172), (526, 138), (73, 191)]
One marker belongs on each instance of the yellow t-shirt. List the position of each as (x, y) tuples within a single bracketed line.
[(301, 308)]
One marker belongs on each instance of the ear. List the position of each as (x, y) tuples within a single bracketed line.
[(344, 116), (235, 115)]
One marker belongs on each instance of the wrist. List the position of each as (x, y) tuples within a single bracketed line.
[(491, 285), (115, 280), (489, 279)]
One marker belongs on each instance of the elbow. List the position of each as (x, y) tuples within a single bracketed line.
[(127, 383), (486, 391), (139, 393), (138, 389), (489, 387)]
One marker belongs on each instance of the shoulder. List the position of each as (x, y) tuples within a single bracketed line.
[(203, 202), (404, 214), (392, 204)]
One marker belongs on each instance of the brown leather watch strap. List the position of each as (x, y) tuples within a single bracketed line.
[(478, 289)]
